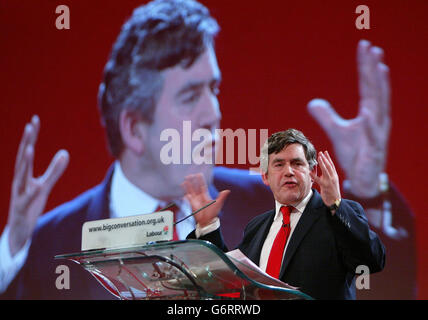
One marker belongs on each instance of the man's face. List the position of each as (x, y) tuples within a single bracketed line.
[(288, 175), (187, 95)]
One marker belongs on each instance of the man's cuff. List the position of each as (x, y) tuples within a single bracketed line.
[(10, 266), (214, 225)]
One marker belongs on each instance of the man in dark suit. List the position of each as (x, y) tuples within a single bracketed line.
[(314, 241)]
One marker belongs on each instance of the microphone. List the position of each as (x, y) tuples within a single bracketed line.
[(285, 225), (167, 207), (195, 212)]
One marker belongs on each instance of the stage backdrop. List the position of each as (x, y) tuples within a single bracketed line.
[(274, 55)]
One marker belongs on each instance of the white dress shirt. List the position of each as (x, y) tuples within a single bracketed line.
[(126, 199), (10, 266), (295, 215)]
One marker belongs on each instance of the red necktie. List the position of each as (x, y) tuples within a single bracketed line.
[(174, 210), (275, 257)]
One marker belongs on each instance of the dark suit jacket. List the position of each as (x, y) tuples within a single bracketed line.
[(324, 250), (59, 232), (398, 279)]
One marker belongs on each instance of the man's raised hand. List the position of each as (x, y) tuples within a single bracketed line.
[(29, 194), (361, 143), (196, 192)]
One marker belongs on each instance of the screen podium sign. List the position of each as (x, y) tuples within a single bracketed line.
[(128, 231)]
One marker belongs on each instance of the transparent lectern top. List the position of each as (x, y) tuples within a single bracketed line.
[(188, 269)]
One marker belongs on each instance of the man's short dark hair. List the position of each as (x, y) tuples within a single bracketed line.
[(158, 35), (279, 140)]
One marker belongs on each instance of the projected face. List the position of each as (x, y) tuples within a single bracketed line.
[(188, 102)]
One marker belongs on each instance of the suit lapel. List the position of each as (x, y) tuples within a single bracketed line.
[(255, 249), (99, 207), (312, 212)]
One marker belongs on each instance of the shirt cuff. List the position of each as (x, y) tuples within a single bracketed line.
[(10, 266), (214, 225)]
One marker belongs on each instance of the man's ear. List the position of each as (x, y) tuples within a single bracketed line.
[(314, 172), (133, 131), (265, 178)]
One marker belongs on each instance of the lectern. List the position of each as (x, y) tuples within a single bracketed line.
[(188, 269)]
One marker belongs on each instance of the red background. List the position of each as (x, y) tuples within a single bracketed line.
[(275, 56)]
